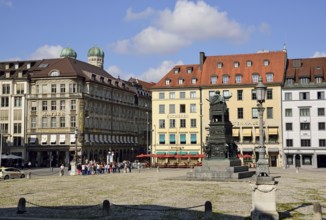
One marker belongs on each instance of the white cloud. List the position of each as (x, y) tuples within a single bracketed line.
[(116, 72), (141, 15), (7, 3), (319, 54), (46, 51), (186, 23), (265, 28), (155, 74)]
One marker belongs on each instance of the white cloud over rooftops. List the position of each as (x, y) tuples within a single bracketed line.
[(319, 54), (46, 51), (186, 23)]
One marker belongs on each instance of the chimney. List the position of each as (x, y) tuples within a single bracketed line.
[(202, 60)]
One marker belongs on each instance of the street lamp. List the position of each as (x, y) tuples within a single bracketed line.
[(262, 163), (76, 138), (1, 144), (147, 136)]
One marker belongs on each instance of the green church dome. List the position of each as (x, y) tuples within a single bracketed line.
[(68, 52), (95, 51)]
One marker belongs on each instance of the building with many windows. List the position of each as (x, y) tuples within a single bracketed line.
[(181, 103), (303, 112), (70, 107)]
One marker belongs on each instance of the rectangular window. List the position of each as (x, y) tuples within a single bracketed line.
[(167, 82), (239, 94), (269, 94), (320, 95), (172, 123), (161, 109), (182, 95), (44, 105), (162, 123), (192, 94), (182, 108), (238, 78), (289, 142), (193, 123), (255, 78), (225, 79), (4, 101), (192, 108), (240, 113), (269, 77), (304, 126), (73, 121), (17, 141), (33, 106), (53, 105), (161, 95), (162, 138), (269, 112), (172, 95), (172, 108), (6, 89), (305, 142), (73, 88), (53, 88), (18, 102), (288, 112), (53, 122), (288, 126), (73, 105), (253, 94), (180, 81), (44, 122), (62, 104), (193, 81), (321, 111), (193, 138), (182, 123), (62, 88), (44, 88), (17, 128), (33, 122), (62, 122), (254, 113), (322, 142), (306, 160), (288, 96), (183, 139), (304, 95), (172, 138), (20, 88), (321, 126), (304, 112)]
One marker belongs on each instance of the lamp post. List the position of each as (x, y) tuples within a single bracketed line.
[(76, 138), (1, 144), (147, 136), (262, 163)]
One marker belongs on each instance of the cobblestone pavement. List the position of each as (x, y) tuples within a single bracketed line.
[(149, 194)]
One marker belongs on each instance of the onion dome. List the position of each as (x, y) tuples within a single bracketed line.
[(95, 52), (68, 52)]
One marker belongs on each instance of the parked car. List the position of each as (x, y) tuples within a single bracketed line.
[(11, 173)]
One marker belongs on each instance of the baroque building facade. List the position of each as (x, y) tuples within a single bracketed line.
[(72, 107)]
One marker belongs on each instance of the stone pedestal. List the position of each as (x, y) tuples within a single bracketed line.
[(264, 199), (73, 171), (220, 170)]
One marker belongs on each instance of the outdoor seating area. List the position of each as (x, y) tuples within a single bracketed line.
[(173, 159)]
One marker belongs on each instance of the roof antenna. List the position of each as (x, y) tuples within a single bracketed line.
[(284, 47)]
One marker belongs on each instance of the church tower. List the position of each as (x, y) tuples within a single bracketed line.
[(96, 57)]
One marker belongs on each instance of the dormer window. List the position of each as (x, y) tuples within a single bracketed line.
[(238, 78), (266, 62), (236, 64), (167, 82), (93, 77), (189, 70), (102, 79), (249, 63), (180, 81), (289, 81), (319, 79), (269, 77), (16, 65), (54, 73), (225, 79), (193, 81), (110, 81), (176, 70), (213, 79), (304, 80), (255, 77), (219, 65), (28, 66)]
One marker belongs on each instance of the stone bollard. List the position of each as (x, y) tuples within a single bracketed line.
[(317, 211), (29, 175), (21, 208), (297, 170), (208, 208), (106, 208), (158, 169)]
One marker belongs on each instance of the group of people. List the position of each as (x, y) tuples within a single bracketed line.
[(92, 167)]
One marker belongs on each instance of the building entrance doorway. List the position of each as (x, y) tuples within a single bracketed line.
[(321, 161)]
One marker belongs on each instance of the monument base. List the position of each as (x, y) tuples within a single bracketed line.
[(220, 169), (73, 171), (264, 199)]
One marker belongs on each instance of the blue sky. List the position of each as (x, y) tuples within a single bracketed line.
[(146, 38)]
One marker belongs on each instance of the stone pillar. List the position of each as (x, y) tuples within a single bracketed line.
[(73, 171), (264, 199)]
